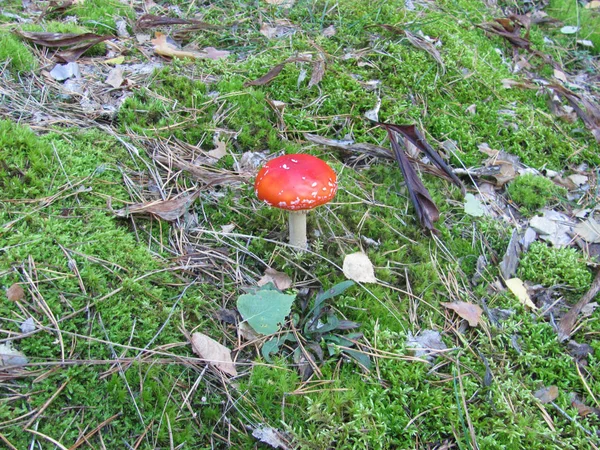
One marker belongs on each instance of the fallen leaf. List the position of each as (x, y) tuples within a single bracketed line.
[(115, 61), (426, 345), (265, 310), (115, 77), (329, 31), (373, 114), (569, 29), (281, 28), (426, 210), (582, 409), (15, 293), (272, 74), (169, 210), (78, 43), (62, 72), (560, 75), (517, 287), (473, 206), (317, 73), (219, 151), (281, 280), (358, 267), (546, 394), (247, 332), (28, 325), (216, 354), (589, 230), (468, 311), (594, 4), (270, 436), (585, 43), (11, 357), (166, 47), (553, 227), (578, 180), (213, 53)]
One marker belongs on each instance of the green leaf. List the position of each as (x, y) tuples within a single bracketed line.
[(265, 310), (473, 206), (329, 293), (269, 348)]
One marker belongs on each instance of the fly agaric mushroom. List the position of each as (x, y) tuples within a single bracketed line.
[(296, 183)]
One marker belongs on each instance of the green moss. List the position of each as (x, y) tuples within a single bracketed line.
[(18, 55), (551, 266), (532, 192), (24, 162), (100, 15)]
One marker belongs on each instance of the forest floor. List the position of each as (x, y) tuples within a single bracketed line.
[(141, 271)]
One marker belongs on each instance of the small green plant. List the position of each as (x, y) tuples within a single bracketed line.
[(319, 326), (532, 192), (551, 266)]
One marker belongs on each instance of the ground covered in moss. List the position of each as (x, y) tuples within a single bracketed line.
[(128, 222)]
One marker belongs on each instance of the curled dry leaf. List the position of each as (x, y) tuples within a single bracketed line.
[(358, 267), (15, 293), (216, 354), (77, 44), (272, 74), (281, 280), (115, 77), (517, 287), (468, 311), (169, 210), (271, 436), (11, 357), (317, 73)]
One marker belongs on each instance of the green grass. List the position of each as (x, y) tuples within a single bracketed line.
[(56, 186)]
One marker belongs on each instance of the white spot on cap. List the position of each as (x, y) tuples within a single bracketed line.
[(285, 166), (314, 194), (282, 204), (294, 160), (314, 184)]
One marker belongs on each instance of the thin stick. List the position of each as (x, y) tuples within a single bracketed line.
[(45, 405)]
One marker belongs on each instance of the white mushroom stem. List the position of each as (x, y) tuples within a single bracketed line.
[(298, 229)]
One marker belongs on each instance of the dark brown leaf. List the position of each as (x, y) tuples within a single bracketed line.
[(565, 327), (78, 43), (53, 40), (272, 74), (426, 210)]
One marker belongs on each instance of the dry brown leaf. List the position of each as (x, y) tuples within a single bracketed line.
[(546, 394), (165, 47), (358, 267), (213, 53), (15, 293), (169, 210), (216, 354), (115, 77), (281, 27), (281, 280), (317, 73), (329, 31), (219, 151), (517, 287), (468, 311), (78, 43), (594, 4)]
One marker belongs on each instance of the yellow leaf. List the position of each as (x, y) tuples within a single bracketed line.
[(115, 61), (517, 287)]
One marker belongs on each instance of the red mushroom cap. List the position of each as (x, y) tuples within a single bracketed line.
[(296, 182)]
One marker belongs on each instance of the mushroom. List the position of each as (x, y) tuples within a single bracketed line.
[(296, 183)]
